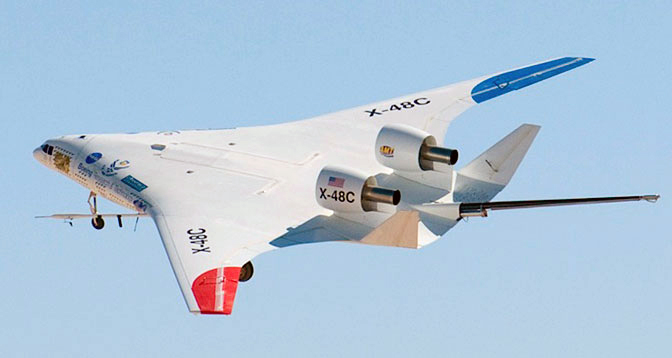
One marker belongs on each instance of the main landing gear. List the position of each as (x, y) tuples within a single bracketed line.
[(97, 221), (246, 272)]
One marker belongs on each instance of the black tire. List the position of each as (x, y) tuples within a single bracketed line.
[(98, 222), (246, 272)]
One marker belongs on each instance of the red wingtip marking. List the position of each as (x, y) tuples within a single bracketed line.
[(215, 290)]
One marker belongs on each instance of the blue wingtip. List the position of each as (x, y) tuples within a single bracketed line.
[(514, 80)]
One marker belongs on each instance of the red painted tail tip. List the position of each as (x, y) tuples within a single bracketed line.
[(215, 290)]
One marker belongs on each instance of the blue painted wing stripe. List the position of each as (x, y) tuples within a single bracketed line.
[(523, 77)]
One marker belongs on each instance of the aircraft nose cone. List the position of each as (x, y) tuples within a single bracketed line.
[(40, 155), (37, 154)]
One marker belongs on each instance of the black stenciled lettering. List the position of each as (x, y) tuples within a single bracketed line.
[(197, 236), (373, 112), (197, 250), (322, 193), (421, 101)]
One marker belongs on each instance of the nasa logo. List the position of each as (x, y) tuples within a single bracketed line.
[(387, 151), (93, 157)]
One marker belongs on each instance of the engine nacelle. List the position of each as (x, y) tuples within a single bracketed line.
[(346, 190), (406, 148)]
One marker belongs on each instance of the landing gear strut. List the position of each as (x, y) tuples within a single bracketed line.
[(97, 221)]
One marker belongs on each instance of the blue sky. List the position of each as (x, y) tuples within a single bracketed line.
[(583, 281)]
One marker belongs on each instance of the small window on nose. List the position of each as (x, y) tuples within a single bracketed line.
[(50, 149), (44, 147)]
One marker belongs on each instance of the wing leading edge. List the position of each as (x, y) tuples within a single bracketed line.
[(433, 110)]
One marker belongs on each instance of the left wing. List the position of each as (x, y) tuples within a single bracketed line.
[(208, 245), (207, 254)]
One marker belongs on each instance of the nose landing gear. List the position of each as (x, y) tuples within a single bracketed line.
[(97, 221)]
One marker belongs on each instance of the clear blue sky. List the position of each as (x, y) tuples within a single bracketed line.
[(582, 282)]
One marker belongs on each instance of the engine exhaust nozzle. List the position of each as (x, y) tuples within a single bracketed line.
[(438, 154), (381, 195)]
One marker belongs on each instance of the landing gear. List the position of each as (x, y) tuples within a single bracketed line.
[(98, 222), (246, 272)]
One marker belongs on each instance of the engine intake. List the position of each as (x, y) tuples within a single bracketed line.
[(347, 190), (405, 148)]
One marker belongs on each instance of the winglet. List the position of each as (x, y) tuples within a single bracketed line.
[(488, 174), (215, 290), (506, 82)]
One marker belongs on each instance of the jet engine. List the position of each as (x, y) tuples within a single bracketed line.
[(405, 148), (347, 190)]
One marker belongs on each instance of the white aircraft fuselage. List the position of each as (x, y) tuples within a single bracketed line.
[(106, 177)]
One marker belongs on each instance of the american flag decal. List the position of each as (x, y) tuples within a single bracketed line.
[(336, 181)]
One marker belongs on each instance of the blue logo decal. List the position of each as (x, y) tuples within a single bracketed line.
[(134, 183), (93, 157)]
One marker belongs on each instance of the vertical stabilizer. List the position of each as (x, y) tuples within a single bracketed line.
[(488, 174)]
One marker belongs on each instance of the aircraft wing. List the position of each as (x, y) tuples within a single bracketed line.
[(226, 196), (207, 254), (209, 236), (433, 110)]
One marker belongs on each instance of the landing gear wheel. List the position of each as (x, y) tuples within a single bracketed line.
[(246, 272), (98, 222)]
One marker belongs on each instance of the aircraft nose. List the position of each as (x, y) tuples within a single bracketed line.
[(37, 154), (40, 153)]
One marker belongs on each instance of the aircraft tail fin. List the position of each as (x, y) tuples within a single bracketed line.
[(488, 174)]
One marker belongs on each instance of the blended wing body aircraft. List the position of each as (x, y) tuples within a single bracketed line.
[(221, 197)]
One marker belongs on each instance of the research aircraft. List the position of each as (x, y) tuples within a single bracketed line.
[(219, 198)]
